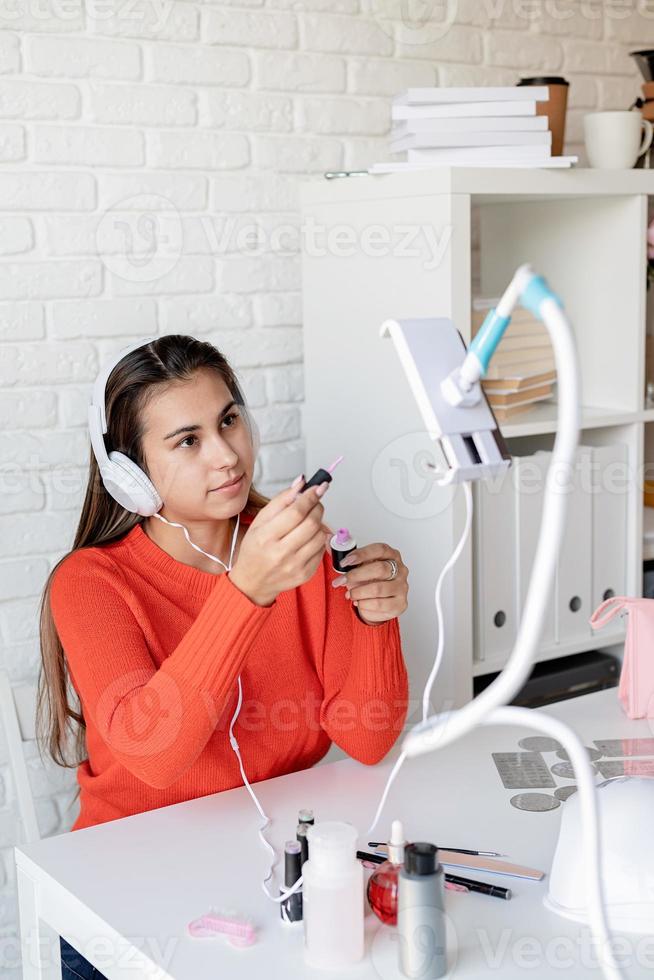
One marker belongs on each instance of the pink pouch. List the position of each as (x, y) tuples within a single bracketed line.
[(636, 689)]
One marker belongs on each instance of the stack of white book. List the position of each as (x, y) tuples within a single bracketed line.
[(522, 370), (471, 127)]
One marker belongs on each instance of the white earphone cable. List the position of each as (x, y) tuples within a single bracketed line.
[(213, 557), (285, 892)]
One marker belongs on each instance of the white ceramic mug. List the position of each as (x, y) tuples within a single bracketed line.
[(615, 140)]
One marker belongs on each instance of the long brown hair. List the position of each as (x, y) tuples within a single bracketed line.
[(131, 384)]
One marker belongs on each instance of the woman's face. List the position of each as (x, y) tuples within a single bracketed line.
[(186, 467)]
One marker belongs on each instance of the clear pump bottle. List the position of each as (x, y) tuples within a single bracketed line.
[(332, 886)]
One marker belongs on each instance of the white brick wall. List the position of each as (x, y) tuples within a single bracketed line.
[(205, 115)]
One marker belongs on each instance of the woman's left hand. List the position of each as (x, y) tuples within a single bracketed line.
[(377, 597)]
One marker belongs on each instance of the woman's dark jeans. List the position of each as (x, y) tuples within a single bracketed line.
[(74, 966)]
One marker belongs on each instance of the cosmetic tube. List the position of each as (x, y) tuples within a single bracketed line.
[(290, 908)]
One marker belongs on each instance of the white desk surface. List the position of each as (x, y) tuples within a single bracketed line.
[(143, 878)]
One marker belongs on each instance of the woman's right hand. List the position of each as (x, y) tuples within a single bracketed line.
[(283, 546)]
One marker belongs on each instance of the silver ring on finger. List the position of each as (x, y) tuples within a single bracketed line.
[(393, 565)]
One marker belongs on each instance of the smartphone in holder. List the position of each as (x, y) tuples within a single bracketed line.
[(430, 349)]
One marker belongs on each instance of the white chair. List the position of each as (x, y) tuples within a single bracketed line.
[(17, 710)]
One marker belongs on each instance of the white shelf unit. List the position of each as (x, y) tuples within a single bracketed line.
[(585, 231)]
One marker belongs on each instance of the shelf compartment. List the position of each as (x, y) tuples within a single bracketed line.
[(543, 419), (597, 642), (566, 241)]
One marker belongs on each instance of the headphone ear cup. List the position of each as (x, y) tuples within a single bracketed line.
[(129, 486)]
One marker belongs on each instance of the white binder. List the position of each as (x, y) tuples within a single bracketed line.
[(530, 473), (573, 572), (609, 566), (495, 602)]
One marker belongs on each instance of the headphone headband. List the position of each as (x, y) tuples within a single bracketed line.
[(98, 398)]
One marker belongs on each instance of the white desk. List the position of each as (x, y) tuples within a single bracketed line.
[(136, 883)]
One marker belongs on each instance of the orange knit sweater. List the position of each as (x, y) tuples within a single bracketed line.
[(154, 649)]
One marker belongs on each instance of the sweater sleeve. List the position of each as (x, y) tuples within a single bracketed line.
[(155, 720), (364, 679)]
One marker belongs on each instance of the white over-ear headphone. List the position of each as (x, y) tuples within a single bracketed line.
[(122, 478)]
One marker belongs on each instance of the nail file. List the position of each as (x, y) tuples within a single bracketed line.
[(523, 770), (493, 865), (496, 865)]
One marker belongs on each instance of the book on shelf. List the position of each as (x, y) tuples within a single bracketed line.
[(470, 124), (474, 154), (473, 93), (527, 327), (416, 141), (519, 381), (523, 355), (504, 412), (403, 166), (521, 336), (504, 398), (462, 109), (519, 368), (505, 386), (524, 342)]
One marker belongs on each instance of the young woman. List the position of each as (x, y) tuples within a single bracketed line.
[(154, 635)]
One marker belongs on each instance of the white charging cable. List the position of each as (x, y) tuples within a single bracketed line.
[(426, 694), (467, 489), (491, 706), (285, 892)]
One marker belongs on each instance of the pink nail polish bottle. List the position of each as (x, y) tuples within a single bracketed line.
[(341, 543), (382, 885)]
